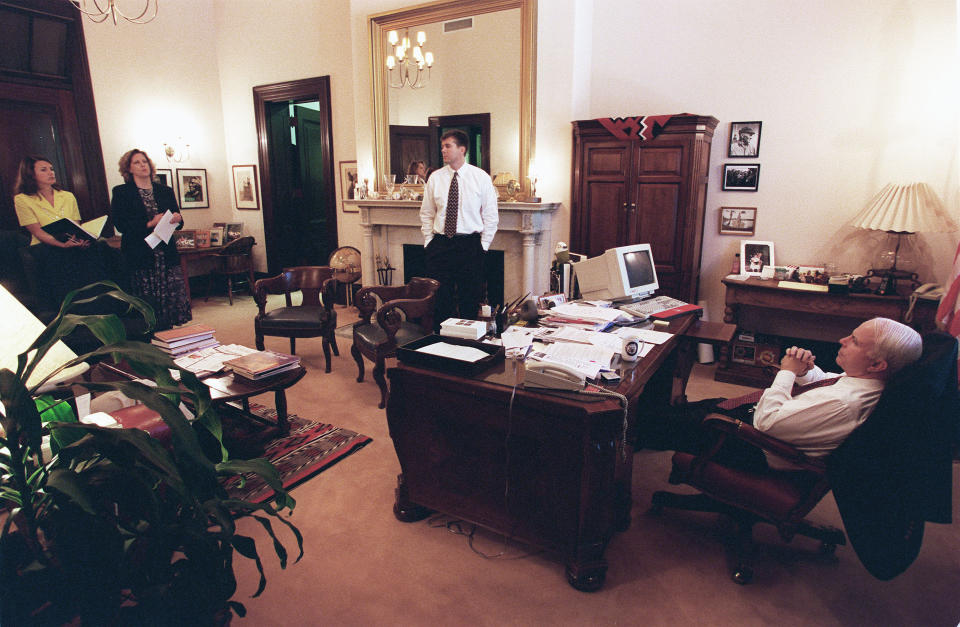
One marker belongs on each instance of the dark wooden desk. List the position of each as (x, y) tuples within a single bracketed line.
[(188, 254), (760, 306), (548, 469)]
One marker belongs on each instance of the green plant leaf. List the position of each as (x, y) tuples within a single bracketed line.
[(246, 547)]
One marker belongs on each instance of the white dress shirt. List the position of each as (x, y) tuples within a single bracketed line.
[(477, 207), (817, 421)]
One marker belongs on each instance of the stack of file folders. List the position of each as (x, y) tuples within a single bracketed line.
[(467, 329), (262, 364), (177, 342)]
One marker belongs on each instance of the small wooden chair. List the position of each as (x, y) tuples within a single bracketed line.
[(405, 315), (234, 259), (314, 317)]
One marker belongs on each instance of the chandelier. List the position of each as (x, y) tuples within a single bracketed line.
[(99, 10), (409, 61)]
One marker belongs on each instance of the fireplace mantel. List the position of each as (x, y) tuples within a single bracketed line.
[(530, 223)]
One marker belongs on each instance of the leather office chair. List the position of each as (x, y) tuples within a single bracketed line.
[(234, 259), (313, 317), (405, 315), (889, 476)]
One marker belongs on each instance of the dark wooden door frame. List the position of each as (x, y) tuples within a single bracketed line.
[(317, 88), (467, 119)]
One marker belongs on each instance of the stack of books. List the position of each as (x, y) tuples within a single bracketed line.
[(262, 364), (177, 342), (468, 329)]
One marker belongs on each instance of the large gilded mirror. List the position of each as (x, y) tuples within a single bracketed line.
[(489, 70)]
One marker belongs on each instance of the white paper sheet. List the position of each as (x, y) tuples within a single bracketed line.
[(163, 230), (453, 351)]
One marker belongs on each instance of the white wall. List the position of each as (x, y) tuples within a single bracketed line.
[(852, 94)]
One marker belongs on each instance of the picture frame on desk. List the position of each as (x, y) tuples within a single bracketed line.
[(738, 220), (165, 177), (216, 236), (231, 231), (185, 239), (755, 256), (192, 188), (348, 183), (741, 177)]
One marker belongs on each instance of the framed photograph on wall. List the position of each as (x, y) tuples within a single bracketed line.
[(245, 186), (755, 256), (738, 177), (192, 188), (348, 182), (744, 139), (738, 220), (165, 177)]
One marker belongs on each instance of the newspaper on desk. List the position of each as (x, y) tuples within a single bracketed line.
[(208, 361)]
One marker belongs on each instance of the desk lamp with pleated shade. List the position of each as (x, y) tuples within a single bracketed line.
[(902, 210)]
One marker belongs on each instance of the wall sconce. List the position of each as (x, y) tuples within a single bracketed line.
[(177, 152)]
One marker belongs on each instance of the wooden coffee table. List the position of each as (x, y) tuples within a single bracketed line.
[(229, 388)]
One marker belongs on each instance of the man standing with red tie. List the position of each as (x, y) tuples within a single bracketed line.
[(459, 218)]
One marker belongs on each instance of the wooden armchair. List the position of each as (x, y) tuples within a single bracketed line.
[(314, 317), (780, 498), (406, 314)]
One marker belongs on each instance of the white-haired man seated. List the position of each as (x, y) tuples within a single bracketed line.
[(815, 421)]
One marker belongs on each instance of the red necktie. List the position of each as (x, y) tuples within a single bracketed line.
[(453, 202), (754, 397)]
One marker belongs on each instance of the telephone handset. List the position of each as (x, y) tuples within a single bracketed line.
[(931, 291), (552, 376)]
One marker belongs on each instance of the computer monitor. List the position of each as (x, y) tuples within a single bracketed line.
[(622, 273)]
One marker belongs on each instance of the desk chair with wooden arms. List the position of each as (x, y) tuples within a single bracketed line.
[(405, 315), (889, 476), (235, 259), (313, 317)]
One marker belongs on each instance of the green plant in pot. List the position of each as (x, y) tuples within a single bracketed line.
[(112, 527)]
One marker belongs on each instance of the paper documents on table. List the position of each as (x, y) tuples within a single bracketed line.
[(453, 351), (589, 312), (207, 361), (163, 230), (586, 359), (582, 336), (649, 336), (516, 341)]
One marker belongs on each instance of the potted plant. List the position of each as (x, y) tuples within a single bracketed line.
[(112, 527)]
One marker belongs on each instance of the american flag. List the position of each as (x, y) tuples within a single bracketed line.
[(948, 314)]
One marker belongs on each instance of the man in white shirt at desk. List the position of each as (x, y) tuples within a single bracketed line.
[(815, 421), (459, 218)]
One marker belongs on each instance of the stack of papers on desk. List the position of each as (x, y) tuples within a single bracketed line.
[(586, 317), (467, 329), (207, 361)]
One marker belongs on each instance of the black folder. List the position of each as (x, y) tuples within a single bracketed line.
[(63, 228)]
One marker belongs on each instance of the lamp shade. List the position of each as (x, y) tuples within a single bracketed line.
[(909, 208)]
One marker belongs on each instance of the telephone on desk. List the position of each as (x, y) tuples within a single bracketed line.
[(927, 291), (552, 376)]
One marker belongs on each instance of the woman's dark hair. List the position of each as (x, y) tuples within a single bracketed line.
[(125, 164), (414, 167), (26, 177)]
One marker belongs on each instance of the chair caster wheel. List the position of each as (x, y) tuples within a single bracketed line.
[(742, 575)]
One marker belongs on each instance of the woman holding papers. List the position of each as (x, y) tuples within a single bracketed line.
[(40, 201), (137, 208)]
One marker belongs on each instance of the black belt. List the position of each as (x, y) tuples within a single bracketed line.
[(459, 235)]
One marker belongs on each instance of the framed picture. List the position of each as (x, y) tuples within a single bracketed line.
[(202, 238), (744, 139), (231, 231), (737, 177), (216, 236), (245, 186), (348, 182), (185, 239), (192, 186), (755, 256), (165, 177), (738, 220)]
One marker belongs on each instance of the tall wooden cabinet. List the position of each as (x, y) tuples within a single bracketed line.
[(632, 191)]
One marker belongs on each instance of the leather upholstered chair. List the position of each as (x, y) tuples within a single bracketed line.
[(313, 317), (406, 314), (235, 259), (893, 473)]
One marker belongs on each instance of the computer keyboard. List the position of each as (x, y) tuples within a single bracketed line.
[(646, 308)]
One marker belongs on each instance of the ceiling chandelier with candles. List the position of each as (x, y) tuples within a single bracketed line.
[(100, 10), (409, 65)]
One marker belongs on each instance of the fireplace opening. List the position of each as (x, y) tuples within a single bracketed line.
[(415, 264)]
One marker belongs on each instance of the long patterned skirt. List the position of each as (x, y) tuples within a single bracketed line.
[(162, 286)]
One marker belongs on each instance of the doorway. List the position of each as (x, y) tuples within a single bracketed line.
[(296, 161)]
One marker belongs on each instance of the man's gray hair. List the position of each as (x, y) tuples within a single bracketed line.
[(896, 343)]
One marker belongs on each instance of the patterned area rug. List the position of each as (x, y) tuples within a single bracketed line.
[(309, 448)]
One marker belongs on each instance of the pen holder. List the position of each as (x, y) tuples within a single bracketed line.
[(501, 322)]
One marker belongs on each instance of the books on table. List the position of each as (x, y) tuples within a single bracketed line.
[(459, 327), (262, 364), (183, 340)]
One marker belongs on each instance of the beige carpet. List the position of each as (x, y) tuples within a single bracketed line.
[(363, 567)]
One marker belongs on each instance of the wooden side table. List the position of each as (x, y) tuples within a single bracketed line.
[(761, 306)]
